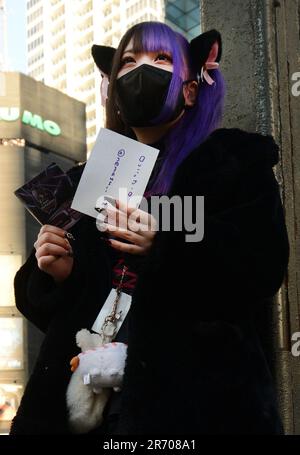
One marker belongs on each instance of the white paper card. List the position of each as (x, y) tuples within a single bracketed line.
[(123, 308), (115, 162)]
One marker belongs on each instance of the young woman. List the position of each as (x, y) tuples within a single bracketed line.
[(194, 363)]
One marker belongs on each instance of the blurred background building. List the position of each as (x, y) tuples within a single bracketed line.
[(183, 16), (38, 126)]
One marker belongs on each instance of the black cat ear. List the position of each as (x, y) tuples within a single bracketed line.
[(206, 51), (103, 57)]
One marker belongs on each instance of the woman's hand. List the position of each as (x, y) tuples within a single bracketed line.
[(130, 224), (54, 253)]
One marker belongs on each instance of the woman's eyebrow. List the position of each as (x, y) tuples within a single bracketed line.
[(131, 51)]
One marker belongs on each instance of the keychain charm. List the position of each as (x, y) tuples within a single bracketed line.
[(110, 324), (109, 327)]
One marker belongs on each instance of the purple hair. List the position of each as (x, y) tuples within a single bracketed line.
[(191, 130), (198, 121)]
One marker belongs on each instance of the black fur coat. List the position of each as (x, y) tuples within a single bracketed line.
[(195, 363)]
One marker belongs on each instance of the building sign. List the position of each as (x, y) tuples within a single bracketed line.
[(11, 114)]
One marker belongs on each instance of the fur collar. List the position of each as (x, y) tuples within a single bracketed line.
[(250, 149), (226, 158)]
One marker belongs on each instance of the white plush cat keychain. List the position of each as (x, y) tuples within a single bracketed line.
[(97, 371)]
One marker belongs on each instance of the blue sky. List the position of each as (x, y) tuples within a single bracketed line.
[(16, 34)]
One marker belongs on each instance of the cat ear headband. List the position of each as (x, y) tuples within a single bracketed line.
[(206, 53), (103, 57)]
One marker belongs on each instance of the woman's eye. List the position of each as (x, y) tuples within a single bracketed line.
[(127, 60), (164, 57)]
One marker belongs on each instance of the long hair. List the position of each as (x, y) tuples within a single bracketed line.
[(196, 123)]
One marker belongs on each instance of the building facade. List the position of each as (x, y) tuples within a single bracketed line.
[(183, 16), (38, 126)]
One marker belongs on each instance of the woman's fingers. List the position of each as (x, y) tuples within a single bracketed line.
[(124, 207), (53, 229), (125, 234), (50, 249), (54, 253), (50, 237), (142, 229), (139, 244), (135, 214), (51, 242), (116, 217), (46, 261), (127, 248), (131, 224), (120, 220), (134, 219)]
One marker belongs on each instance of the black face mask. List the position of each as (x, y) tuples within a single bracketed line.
[(141, 95)]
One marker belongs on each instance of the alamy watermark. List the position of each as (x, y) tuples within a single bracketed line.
[(165, 213), (296, 85), (296, 344)]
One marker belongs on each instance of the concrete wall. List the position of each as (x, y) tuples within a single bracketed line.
[(260, 55), (241, 25)]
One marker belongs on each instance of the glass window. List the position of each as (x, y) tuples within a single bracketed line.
[(11, 346), (9, 265), (184, 14)]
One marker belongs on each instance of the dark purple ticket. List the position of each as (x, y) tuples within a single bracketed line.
[(48, 197)]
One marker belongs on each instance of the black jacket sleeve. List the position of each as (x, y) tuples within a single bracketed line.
[(37, 295)]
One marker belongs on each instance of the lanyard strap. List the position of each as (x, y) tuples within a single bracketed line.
[(112, 316)]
